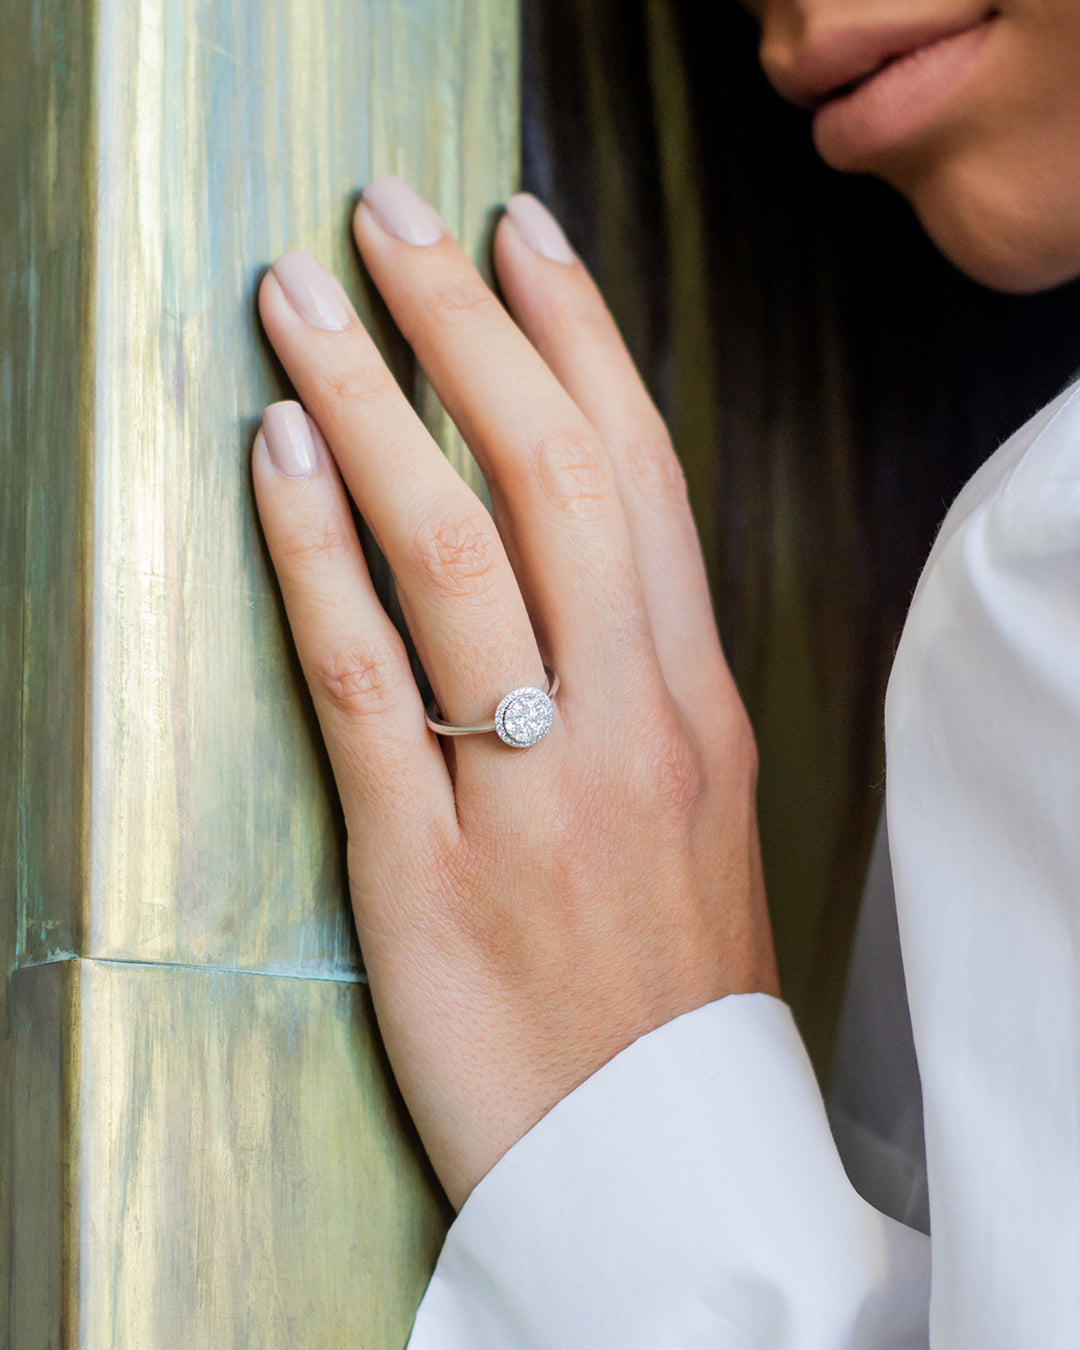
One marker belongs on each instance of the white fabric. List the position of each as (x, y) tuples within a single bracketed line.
[(689, 1194), (875, 1099)]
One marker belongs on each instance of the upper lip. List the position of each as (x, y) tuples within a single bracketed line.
[(834, 60)]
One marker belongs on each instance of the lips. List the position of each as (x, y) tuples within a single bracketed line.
[(832, 63), (876, 85), (889, 103)]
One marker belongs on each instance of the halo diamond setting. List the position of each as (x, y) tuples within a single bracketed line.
[(524, 717)]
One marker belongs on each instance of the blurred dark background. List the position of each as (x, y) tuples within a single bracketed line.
[(830, 382)]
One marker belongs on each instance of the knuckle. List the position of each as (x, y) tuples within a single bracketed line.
[(744, 750), (570, 467), (652, 470), (322, 539), (583, 313), (457, 551), (730, 737), (359, 679), (672, 770), (459, 295), (358, 386)]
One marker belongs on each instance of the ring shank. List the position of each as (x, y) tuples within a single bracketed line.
[(441, 727)]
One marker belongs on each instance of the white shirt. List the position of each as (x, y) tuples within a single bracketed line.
[(690, 1193)]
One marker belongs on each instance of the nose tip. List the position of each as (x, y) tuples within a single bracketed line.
[(783, 40), (779, 58)]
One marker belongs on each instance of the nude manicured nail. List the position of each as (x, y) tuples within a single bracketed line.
[(401, 212), (288, 438), (539, 228), (315, 293)]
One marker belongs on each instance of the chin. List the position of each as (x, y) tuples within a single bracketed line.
[(1000, 229)]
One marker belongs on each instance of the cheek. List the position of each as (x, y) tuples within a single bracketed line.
[(1000, 194)]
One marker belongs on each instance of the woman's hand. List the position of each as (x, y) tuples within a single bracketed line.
[(524, 914)]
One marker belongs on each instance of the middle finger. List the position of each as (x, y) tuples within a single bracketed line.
[(552, 483)]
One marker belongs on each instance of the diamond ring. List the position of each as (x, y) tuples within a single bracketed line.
[(523, 717)]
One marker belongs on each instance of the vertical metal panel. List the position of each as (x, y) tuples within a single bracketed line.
[(229, 134), (46, 353), (242, 1151), (163, 798), (209, 1158), (42, 1312)]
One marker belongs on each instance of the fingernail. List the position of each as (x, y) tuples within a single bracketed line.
[(315, 293), (288, 438), (401, 212), (539, 228)]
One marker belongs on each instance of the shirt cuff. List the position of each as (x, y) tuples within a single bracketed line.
[(687, 1194)]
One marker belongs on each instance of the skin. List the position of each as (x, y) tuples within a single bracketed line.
[(525, 915), (994, 177)]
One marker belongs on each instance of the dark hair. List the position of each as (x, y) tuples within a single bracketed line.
[(830, 382)]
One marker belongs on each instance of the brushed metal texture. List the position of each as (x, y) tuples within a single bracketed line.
[(164, 798), (210, 1158), (228, 134)]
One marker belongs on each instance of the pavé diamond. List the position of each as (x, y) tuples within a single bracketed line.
[(524, 717)]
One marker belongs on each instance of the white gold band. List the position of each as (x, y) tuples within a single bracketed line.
[(523, 717)]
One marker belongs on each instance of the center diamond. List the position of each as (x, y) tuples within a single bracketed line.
[(524, 717)]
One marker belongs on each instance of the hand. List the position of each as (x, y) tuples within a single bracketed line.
[(524, 914)]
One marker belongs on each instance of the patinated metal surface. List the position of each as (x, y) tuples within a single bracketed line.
[(241, 131), (228, 1148), (218, 1156)]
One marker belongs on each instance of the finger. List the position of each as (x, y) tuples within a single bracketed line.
[(558, 306), (355, 665), (551, 479), (461, 601)]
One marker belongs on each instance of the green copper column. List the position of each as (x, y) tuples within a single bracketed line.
[(200, 1143)]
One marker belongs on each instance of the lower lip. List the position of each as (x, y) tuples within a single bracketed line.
[(898, 102)]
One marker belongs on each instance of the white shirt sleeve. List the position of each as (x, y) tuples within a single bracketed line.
[(875, 1098), (689, 1194), (983, 801)]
